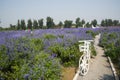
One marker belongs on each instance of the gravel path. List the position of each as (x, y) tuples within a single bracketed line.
[(99, 66)]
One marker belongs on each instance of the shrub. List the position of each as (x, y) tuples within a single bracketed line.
[(20, 60), (111, 43), (68, 55), (91, 33), (112, 36), (38, 44), (49, 36), (43, 66), (93, 51)]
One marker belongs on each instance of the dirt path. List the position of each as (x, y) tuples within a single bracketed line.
[(99, 66)]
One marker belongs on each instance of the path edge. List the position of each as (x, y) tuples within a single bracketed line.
[(113, 69), (76, 75)]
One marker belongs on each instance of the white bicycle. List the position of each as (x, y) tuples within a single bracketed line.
[(84, 59)]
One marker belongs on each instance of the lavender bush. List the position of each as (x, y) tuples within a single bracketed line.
[(110, 41), (35, 55)]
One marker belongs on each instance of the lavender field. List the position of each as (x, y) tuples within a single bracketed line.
[(63, 34), (40, 54)]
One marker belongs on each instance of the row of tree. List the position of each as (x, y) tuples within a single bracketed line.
[(39, 24), (21, 25), (110, 22)]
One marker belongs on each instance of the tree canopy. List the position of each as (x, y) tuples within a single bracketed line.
[(29, 25), (94, 22), (39, 24), (49, 23), (68, 24)]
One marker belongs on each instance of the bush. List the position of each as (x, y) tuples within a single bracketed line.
[(43, 66), (112, 36), (38, 44), (19, 60), (93, 51), (49, 36), (111, 43), (91, 33), (69, 56)]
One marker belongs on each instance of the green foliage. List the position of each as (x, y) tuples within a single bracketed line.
[(60, 24), (91, 33), (38, 44), (35, 24), (49, 23), (116, 22), (67, 23), (83, 22), (113, 53), (12, 27), (3, 58), (112, 36), (18, 25), (88, 25), (23, 25), (40, 22), (93, 51), (29, 25), (94, 22), (107, 38), (111, 44), (49, 36), (78, 23), (103, 23), (1, 29), (42, 66), (69, 56), (30, 64), (109, 22), (61, 36)]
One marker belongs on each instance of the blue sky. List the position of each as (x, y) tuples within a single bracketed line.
[(59, 10)]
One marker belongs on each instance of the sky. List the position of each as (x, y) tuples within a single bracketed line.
[(59, 10)]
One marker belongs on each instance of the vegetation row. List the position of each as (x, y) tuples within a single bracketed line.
[(39, 24)]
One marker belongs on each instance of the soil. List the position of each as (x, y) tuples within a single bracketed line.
[(68, 73)]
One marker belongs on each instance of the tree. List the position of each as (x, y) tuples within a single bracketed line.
[(40, 23), (18, 25), (83, 22), (12, 27), (23, 26), (49, 23), (94, 22), (35, 24), (115, 22), (88, 24), (103, 23), (29, 25), (67, 23), (110, 23), (106, 22), (78, 23), (60, 24)]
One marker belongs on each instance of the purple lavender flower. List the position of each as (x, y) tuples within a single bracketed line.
[(53, 55), (26, 76)]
